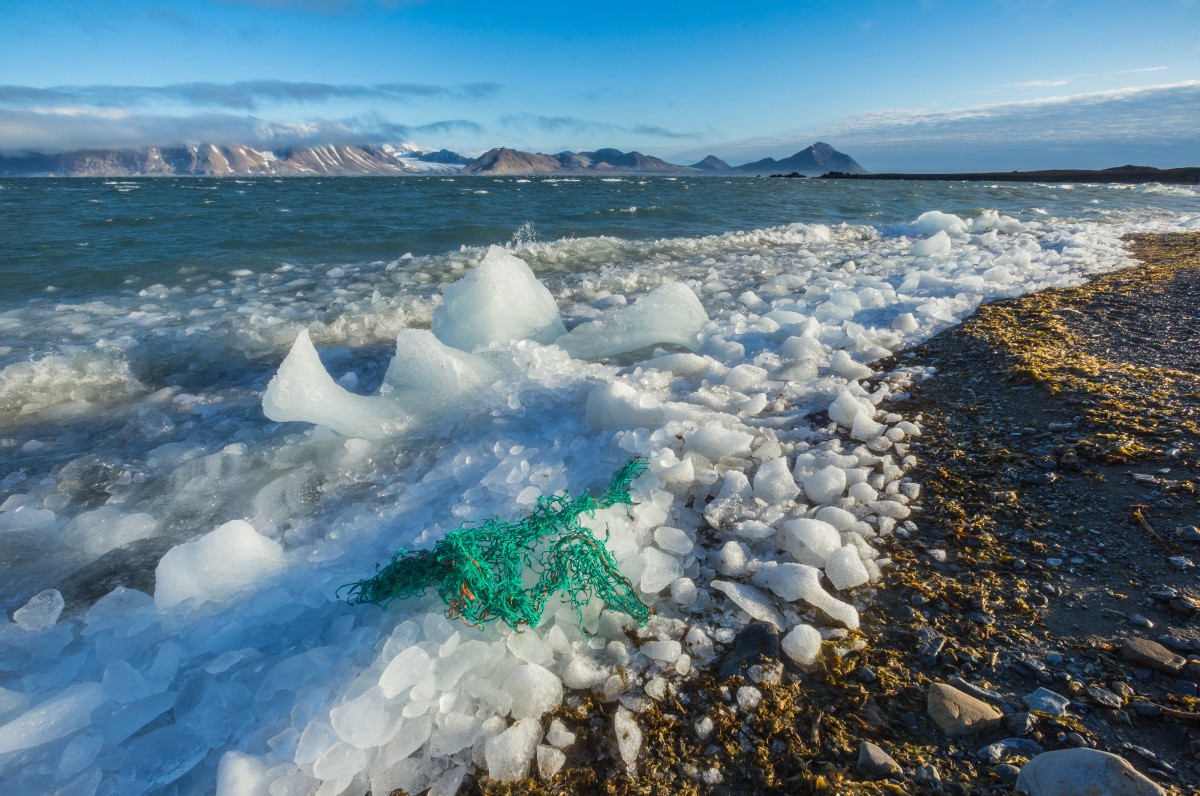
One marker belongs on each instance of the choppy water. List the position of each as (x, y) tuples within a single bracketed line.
[(140, 322)]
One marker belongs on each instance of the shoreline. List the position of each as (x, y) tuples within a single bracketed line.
[(1126, 175), (1046, 544)]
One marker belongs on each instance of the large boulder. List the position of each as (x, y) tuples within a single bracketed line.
[(1083, 772)]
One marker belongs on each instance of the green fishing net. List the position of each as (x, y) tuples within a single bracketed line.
[(482, 571)]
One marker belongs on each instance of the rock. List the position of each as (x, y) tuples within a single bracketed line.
[(1007, 772), (958, 713), (1102, 696), (875, 763), (995, 752), (928, 777), (1151, 654), (1047, 701), (1083, 772), (1020, 723), (757, 643), (1147, 709)]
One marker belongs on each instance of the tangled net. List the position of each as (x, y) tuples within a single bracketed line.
[(480, 571)]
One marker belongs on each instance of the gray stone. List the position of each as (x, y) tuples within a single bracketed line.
[(1083, 772), (1020, 723), (875, 763), (758, 643), (928, 777), (995, 752), (1047, 701), (958, 714), (1007, 772), (1145, 652)]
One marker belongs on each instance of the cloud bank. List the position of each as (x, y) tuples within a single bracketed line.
[(64, 129), (243, 95), (1155, 125)]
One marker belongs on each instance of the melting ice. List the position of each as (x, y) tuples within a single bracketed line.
[(174, 620)]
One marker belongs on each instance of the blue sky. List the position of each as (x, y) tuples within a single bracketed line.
[(921, 85)]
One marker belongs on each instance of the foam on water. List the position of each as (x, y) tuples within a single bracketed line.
[(227, 663)]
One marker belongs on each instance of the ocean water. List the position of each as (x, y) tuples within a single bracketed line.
[(170, 556)]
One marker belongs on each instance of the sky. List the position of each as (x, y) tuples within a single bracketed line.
[(920, 85)]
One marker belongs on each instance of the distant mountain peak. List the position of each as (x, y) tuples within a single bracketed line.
[(712, 163), (813, 161)]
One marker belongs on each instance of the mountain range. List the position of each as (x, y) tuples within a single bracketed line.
[(210, 160)]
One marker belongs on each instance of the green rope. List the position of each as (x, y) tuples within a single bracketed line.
[(480, 571)]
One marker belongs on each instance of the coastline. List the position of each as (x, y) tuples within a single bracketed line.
[(1124, 175), (1057, 466)]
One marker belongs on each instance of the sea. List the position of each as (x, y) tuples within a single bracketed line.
[(172, 552)]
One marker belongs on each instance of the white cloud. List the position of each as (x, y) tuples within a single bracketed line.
[(63, 128), (1155, 125)]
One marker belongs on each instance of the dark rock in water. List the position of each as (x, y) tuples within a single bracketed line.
[(1145, 652), (131, 566), (757, 643), (1083, 772), (875, 763)]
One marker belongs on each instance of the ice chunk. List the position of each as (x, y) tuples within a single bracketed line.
[(559, 736), (660, 570), (216, 566), (341, 760), (363, 721), (825, 484), (499, 301), (802, 644), (935, 245), (615, 404), (666, 651), (107, 528), (905, 322), (803, 582), (673, 540), (837, 517), (847, 368), (584, 672), (427, 377), (535, 690), (865, 429), (629, 737), (508, 754), (937, 221), (670, 314), (715, 441), (810, 541), (302, 390), (733, 558), (242, 775), (845, 569), (847, 406), (549, 761), (773, 483), (42, 610), (752, 601), (745, 377), (56, 717)]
